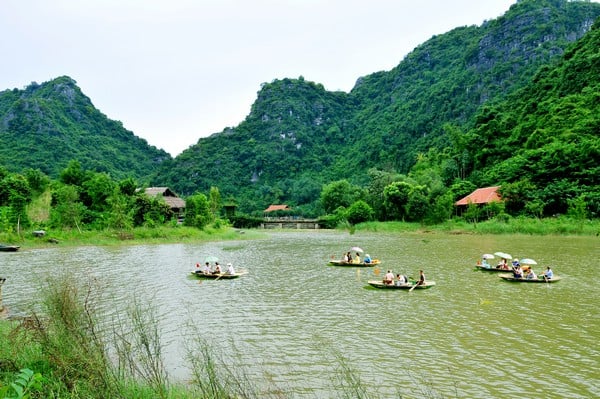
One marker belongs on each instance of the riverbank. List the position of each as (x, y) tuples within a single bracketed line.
[(137, 236), (180, 234), (528, 226)]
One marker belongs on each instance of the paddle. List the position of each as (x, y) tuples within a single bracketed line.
[(413, 287)]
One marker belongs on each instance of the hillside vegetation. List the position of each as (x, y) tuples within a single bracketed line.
[(513, 102), (47, 125), (299, 137)]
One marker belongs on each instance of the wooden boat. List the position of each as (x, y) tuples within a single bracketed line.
[(491, 269), (221, 276), (408, 286), (9, 248), (335, 262), (540, 279)]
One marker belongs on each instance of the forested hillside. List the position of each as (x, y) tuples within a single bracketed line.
[(47, 125), (299, 137), (513, 102), (545, 138)]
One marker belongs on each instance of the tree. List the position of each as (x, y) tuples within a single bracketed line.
[(197, 211), (339, 194), (73, 174), (417, 204), (359, 212), (66, 211), (121, 214), (396, 198), (16, 194), (214, 202)]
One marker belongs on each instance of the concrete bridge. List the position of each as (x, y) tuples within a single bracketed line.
[(288, 223)]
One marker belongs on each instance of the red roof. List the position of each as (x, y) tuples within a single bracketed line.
[(481, 196), (273, 208)]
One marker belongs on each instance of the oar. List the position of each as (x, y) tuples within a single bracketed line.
[(414, 286), (222, 274)]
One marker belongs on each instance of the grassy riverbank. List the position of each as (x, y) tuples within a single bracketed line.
[(137, 236), (549, 226), (182, 234)]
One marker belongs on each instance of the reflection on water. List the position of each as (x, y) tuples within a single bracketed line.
[(472, 335)]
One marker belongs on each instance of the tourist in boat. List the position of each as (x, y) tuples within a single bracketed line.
[(368, 258), (548, 274), (421, 278), (517, 271), (217, 268), (345, 257), (388, 278), (485, 263), (348, 257), (401, 280), (502, 264), (206, 268), (357, 258), (230, 269), (531, 275)]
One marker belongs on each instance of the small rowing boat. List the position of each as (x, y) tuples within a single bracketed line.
[(491, 268), (406, 286), (9, 248), (334, 262), (539, 279), (216, 276)]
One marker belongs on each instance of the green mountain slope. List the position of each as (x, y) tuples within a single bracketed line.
[(299, 136), (446, 79), (292, 136), (551, 131), (45, 126)]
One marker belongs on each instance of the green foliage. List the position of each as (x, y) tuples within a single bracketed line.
[(26, 383), (513, 102), (339, 194), (396, 199), (198, 212), (47, 125), (359, 212), (214, 201)]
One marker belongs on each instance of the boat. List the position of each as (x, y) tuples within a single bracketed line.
[(406, 286), (490, 268), (335, 262), (216, 276), (540, 279), (9, 248)]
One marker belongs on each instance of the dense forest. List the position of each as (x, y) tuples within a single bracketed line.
[(513, 102)]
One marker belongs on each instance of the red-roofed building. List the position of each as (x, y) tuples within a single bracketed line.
[(481, 196), (273, 208)]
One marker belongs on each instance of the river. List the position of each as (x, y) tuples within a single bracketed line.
[(287, 322)]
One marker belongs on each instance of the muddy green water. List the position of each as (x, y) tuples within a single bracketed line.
[(471, 336)]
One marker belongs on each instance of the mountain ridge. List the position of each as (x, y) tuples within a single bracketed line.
[(298, 136)]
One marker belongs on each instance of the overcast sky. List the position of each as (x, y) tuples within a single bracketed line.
[(173, 71)]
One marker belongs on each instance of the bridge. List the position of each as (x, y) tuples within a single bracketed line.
[(289, 223)]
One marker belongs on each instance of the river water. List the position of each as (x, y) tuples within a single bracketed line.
[(290, 320)]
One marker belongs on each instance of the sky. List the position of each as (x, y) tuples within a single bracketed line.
[(173, 71)]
